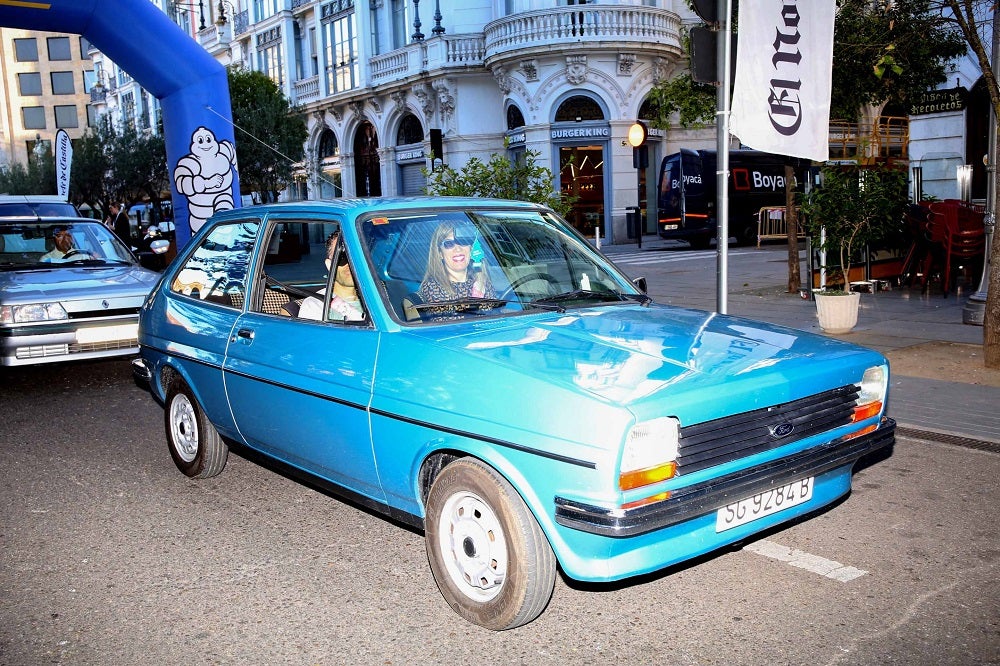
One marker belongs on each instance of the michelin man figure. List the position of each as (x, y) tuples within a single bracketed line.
[(205, 176)]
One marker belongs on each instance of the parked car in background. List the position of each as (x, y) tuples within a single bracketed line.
[(537, 410), (36, 205), (69, 290)]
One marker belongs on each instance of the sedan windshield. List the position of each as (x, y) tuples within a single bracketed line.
[(49, 244), (453, 264)]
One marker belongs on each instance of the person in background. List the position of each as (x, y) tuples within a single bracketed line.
[(344, 304), (118, 222)]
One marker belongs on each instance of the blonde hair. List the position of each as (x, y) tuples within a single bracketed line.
[(435, 259)]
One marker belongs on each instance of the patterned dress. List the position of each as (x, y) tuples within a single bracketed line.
[(431, 291)]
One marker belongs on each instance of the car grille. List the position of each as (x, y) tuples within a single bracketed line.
[(716, 442), (44, 351), (118, 312)]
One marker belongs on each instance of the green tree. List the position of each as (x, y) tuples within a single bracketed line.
[(889, 53), (270, 134), (523, 180), (90, 173), (38, 176), (856, 207), (138, 166)]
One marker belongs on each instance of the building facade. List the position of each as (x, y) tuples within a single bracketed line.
[(46, 80), (380, 79)]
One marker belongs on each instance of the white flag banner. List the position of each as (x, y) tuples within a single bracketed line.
[(64, 161), (784, 63)]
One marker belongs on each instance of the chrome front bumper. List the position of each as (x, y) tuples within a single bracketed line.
[(709, 496)]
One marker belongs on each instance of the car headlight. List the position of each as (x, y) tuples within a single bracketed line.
[(20, 314), (871, 394), (650, 453)]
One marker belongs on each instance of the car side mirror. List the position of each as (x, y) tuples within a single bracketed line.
[(640, 283)]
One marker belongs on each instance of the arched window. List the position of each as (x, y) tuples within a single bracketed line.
[(646, 110), (579, 107), (515, 118), (328, 146), (410, 131)]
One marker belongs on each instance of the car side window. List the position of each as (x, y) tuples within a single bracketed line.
[(217, 269), (306, 273)]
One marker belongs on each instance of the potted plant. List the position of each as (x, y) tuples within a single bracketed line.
[(849, 213)]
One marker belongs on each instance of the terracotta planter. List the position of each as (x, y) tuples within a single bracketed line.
[(837, 313)]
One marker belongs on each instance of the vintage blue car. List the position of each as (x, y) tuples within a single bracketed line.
[(476, 369)]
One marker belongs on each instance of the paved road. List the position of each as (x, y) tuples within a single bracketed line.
[(110, 556)]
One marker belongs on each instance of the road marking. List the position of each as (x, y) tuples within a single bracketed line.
[(803, 560), (636, 258)]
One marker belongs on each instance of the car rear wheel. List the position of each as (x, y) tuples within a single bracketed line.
[(488, 555), (195, 444)]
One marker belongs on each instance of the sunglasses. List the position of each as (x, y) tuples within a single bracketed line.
[(464, 241)]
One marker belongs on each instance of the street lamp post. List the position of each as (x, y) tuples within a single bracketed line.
[(637, 134)]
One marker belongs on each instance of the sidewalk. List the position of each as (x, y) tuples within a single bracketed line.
[(901, 323)]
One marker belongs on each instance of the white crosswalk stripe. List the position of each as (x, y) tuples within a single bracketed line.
[(641, 258)]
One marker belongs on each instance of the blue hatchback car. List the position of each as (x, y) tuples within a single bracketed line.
[(478, 370)]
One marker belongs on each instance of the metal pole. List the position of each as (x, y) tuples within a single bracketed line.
[(974, 311), (723, 58)]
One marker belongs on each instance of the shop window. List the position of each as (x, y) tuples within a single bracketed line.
[(410, 131), (579, 108)]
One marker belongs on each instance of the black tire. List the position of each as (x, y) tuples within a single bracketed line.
[(478, 528), (747, 237), (194, 443), (700, 242)]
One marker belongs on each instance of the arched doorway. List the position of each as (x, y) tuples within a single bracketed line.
[(410, 156), (367, 167), (580, 130)]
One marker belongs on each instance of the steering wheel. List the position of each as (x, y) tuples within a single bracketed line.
[(74, 251), (524, 279)]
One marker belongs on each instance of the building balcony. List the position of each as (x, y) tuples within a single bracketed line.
[(447, 52), (305, 90), (624, 28)]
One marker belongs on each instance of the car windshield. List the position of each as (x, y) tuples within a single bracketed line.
[(48, 244), (452, 264)]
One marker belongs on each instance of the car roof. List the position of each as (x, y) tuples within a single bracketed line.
[(360, 205)]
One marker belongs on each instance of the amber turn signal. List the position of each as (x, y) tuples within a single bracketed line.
[(644, 477)]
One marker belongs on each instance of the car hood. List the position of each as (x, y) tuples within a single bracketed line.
[(71, 283), (636, 355)]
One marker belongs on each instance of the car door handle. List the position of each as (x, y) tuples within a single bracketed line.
[(244, 334)]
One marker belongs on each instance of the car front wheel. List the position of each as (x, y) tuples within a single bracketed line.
[(488, 555), (195, 444)]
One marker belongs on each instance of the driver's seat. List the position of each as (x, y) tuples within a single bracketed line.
[(409, 303)]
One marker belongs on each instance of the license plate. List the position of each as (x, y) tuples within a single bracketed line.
[(669, 227), (763, 504), (107, 333)]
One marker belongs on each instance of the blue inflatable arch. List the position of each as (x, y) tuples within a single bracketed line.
[(192, 88)]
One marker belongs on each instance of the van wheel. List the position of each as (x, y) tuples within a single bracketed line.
[(195, 444), (700, 243), (747, 237), (488, 555)]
